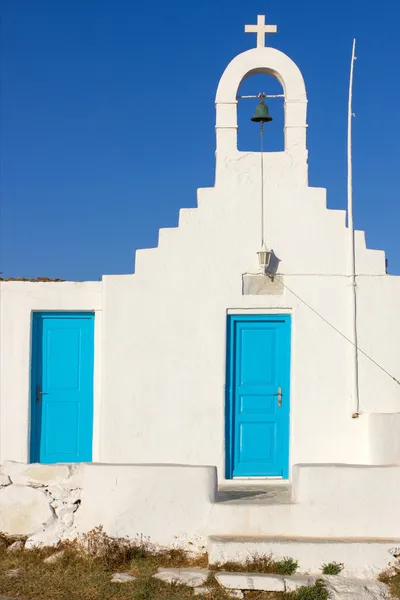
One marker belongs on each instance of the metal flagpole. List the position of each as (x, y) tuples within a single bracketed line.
[(351, 249)]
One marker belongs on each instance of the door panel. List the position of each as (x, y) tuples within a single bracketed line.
[(259, 353), (62, 387)]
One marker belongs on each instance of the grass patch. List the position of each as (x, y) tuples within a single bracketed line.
[(332, 568), (139, 557), (317, 591), (269, 596), (84, 572), (259, 564), (394, 586), (392, 578), (216, 592), (78, 577), (7, 540)]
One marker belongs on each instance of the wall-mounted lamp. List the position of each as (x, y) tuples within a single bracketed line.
[(264, 257), (268, 261)]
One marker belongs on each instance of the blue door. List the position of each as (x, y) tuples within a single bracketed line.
[(258, 396), (62, 387)]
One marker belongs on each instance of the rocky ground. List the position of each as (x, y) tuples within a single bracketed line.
[(101, 568)]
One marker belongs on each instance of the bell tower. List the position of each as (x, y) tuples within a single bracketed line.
[(269, 61)]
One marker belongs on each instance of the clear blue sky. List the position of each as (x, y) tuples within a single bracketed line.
[(93, 91)]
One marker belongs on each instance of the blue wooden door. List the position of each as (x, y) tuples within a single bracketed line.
[(62, 387), (258, 396)]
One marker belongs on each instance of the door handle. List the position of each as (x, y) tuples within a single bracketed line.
[(279, 397), (39, 394)]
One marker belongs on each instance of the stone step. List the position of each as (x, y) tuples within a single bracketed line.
[(361, 557), (255, 494), (338, 587)]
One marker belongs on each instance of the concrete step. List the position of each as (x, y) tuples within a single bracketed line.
[(255, 494), (361, 557), (338, 587)]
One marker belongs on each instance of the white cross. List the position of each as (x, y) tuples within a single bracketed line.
[(260, 29)]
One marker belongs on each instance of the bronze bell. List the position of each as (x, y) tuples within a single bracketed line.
[(261, 115)]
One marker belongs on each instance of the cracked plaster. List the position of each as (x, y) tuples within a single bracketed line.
[(39, 501)]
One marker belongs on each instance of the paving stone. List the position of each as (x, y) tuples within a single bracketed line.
[(13, 572), (50, 560), (235, 594), (16, 546), (190, 577), (203, 591), (251, 581), (122, 578), (293, 582), (346, 588)]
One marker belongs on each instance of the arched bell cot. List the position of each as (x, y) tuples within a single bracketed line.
[(267, 61)]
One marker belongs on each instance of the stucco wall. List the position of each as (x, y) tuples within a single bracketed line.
[(17, 302), (384, 438), (177, 505), (161, 332), (170, 317), (166, 504), (178, 301), (379, 336)]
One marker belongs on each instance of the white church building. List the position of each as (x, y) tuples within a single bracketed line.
[(204, 372)]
